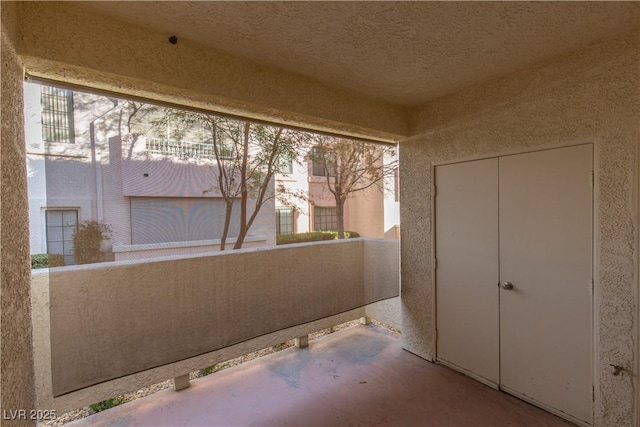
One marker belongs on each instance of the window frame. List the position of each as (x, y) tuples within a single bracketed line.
[(57, 121), (318, 165), (66, 243), (320, 215), (279, 217)]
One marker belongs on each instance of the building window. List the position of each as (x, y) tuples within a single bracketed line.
[(57, 114), (61, 224), (284, 221), (324, 219), (319, 168)]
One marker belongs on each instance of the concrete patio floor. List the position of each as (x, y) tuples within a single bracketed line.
[(359, 376)]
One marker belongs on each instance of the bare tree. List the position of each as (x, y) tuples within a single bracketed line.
[(271, 146), (351, 166), (246, 156)]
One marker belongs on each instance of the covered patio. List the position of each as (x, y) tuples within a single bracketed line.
[(452, 83), (358, 376)]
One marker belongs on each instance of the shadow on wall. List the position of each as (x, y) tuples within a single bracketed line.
[(393, 233)]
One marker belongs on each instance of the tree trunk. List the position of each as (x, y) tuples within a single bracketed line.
[(244, 193), (340, 217), (227, 223), (241, 235)]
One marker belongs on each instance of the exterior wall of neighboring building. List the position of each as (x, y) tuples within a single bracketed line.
[(168, 199), (592, 95), (115, 208), (60, 175), (297, 183), (110, 176), (392, 204), (364, 211)]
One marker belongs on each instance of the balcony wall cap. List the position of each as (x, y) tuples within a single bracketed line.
[(186, 244)]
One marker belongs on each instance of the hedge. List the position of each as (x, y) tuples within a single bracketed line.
[(313, 236), (46, 260)]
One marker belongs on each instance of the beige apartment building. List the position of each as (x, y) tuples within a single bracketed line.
[(373, 212), (93, 157)]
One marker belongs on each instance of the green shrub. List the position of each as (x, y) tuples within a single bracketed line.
[(107, 404), (281, 346), (285, 239), (47, 260), (39, 261), (207, 371), (215, 368), (313, 236), (87, 241)]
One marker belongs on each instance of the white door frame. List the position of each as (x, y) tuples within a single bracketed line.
[(596, 297)]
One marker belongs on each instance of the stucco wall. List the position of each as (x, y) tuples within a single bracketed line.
[(365, 212), (36, 174), (382, 263), (70, 182), (17, 380), (175, 202), (592, 95), (144, 319), (156, 175), (140, 62), (297, 183), (61, 175)]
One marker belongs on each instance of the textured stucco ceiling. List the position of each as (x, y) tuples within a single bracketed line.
[(403, 52)]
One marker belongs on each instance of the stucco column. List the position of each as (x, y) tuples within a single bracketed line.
[(18, 389)]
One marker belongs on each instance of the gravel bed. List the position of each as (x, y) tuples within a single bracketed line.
[(146, 391)]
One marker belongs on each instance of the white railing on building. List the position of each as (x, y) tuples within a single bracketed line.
[(184, 149)]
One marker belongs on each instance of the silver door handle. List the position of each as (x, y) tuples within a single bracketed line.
[(507, 286)]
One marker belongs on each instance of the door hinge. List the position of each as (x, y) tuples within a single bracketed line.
[(592, 286), (593, 393), (591, 179), (435, 263), (435, 191)]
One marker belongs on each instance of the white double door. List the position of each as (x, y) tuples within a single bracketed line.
[(514, 275)]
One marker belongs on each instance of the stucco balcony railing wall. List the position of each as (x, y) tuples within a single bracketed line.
[(193, 247), (105, 329)]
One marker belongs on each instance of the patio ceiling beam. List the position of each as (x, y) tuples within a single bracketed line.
[(64, 43)]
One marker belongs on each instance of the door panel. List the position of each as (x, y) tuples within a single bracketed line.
[(545, 252), (467, 273)]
